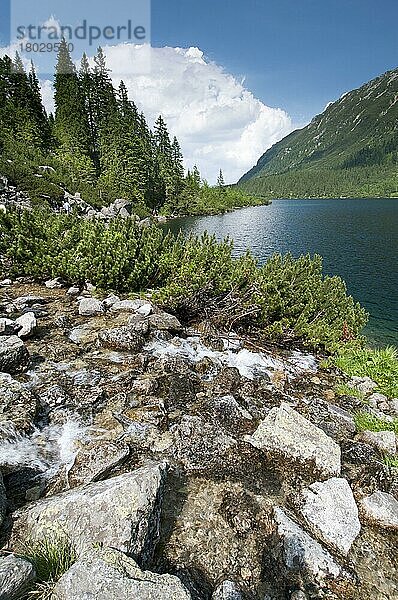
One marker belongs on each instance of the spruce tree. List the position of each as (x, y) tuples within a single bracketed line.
[(71, 123)]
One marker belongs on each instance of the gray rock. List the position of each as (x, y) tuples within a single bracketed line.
[(145, 310), (18, 406), (28, 324), (110, 301), (53, 284), (16, 575), (394, 406), (301, 552), (227, 590), (110, 575), (138, 324), (331, 513), (127, 305), (343, 417), (288, 434), (3, 502), (298, 595), (96, 460), (5, 283), (164, 322), (14, 356), (23, 301), (89, 307), (122, 512), (382, 440), (363, 384), (9, 327), (121, 338), (381, 509), (73, 291), (375, 400)]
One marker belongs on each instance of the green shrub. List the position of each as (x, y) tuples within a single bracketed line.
[(381, 365), (289, 300)]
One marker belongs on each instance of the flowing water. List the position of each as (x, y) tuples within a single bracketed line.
[(358, 240)]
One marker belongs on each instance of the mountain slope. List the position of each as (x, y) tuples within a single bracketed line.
[(350, 149)]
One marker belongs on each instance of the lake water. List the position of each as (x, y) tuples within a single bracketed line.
[(358, 240)]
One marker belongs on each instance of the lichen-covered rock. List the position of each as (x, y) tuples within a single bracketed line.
[(122, 512), (127, 305), (366, 385), (16, 575), (164, 322), (331, 513), (14, 356), (382, 440), (18, 406), (227, 590), (291, 436), (381, 509), (301, 552), (28, 323), (96, 460), (110, 575), (89, 307), (121, 338)]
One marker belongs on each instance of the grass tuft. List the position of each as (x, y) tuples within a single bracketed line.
[(381, 365), (345, 390), (367, 422), (52, 557)]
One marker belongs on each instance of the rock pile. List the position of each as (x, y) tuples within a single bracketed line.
[(181, 465)]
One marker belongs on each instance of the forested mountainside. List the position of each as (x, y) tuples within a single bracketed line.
[(351, 149)]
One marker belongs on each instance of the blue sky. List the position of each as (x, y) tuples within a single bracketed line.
[(262, 68), (297, 55)]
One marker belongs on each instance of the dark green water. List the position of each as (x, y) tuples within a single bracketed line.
[(357, 238)]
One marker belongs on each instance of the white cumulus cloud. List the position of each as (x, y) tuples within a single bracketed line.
[(219, 123)]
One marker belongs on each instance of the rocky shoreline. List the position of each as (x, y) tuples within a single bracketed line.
[(182, 464)]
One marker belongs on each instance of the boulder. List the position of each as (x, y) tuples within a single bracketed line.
[(16, 576), (138, 324), (110, 575), (301, 552), (89, 307), (122, 512), (96, 460), (164, 322), (145, 310), (292, 437), (127, 305), (73, 291), (14, 356), (9, 327), (18, 406), (331, 513), (227, 590), (363, 384), (121, 338), (53, 284), (27, 323), (382, 440), (381, 509)]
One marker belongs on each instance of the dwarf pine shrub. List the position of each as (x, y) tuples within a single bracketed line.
[(289, 299)]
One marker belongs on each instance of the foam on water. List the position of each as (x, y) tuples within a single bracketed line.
[(249, 364), (46, 450)]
